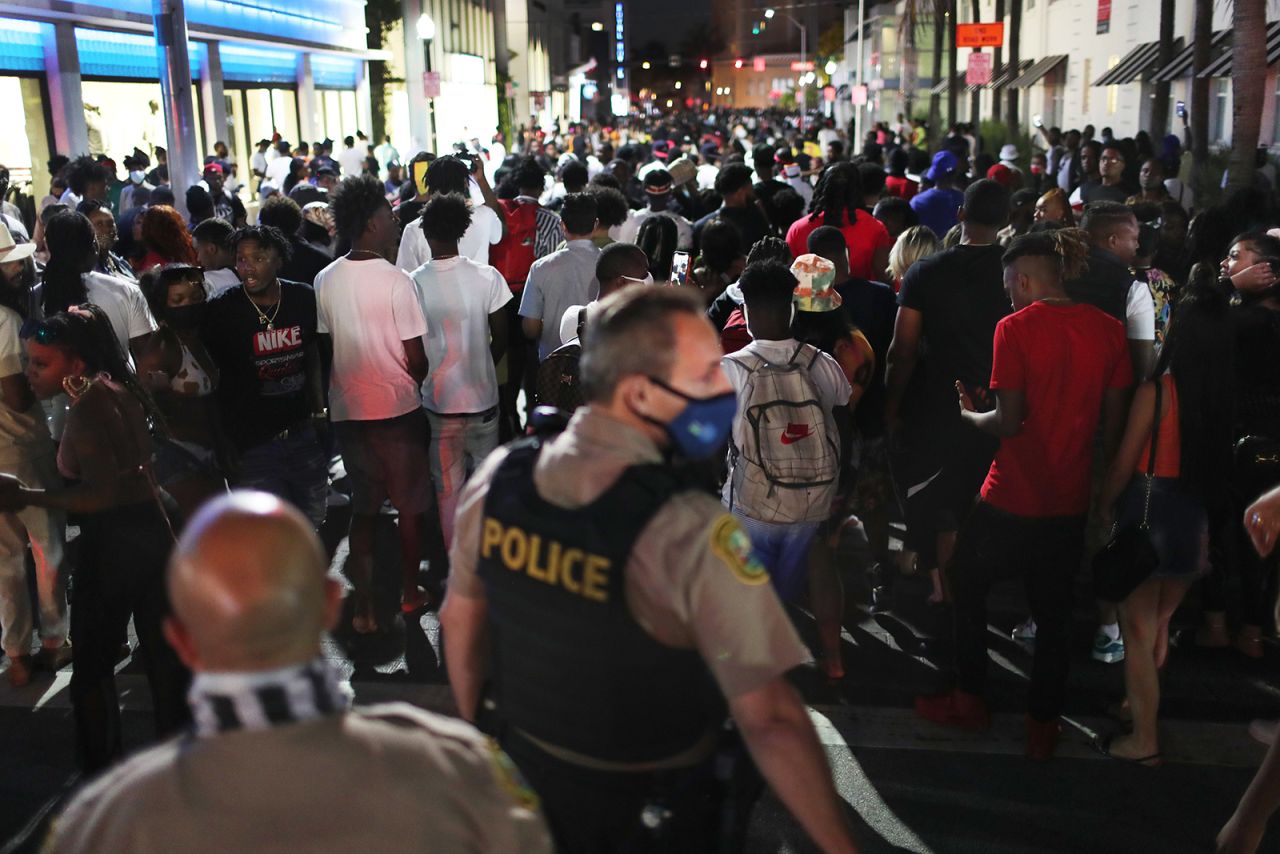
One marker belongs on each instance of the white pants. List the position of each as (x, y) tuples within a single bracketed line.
[(458, 444), (46, 532)]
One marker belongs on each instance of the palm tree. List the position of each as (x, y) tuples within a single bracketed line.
[(949, 22), (996, 65), (1203, 33), (917, 15), (1015, 44), (975, 97), (1248, 86), (1160, 108)]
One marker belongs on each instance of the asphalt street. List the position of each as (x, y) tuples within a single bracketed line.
[(909, 785)]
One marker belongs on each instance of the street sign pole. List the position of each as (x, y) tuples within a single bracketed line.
[(858, 111)]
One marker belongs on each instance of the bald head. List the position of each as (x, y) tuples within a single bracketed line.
[(249, 586)]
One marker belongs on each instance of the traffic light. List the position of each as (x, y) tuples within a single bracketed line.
[(737, 63), (755, 30), (703, 64)]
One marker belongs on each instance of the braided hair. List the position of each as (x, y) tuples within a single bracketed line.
[(73, 247), (838, 193), (1068, 247)]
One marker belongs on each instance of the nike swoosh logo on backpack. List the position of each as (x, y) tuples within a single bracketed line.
[(795, 432)]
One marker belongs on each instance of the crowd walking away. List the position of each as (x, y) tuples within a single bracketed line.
[(644, 417)]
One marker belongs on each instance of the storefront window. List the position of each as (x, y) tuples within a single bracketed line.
[(123, 115), (25, 148)]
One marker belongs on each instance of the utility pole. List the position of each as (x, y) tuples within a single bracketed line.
[(170, 19)]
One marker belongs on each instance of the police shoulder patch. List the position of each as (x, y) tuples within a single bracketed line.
[(509, 777), (732, 545)]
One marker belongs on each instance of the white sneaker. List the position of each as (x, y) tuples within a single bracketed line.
[(1025, 631)]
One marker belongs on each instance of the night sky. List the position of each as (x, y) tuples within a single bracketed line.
[(665, 20)]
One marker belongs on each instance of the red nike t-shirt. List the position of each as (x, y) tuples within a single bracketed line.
[(1064, 358)]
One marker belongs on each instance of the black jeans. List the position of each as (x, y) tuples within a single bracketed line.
[(994, 546), (121, 572)]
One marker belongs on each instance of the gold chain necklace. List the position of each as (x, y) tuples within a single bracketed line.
[(267, 320)]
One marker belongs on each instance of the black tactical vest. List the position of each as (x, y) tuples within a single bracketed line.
[(570, 666)]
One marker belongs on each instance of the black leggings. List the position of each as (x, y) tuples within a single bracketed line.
[(121, 572)]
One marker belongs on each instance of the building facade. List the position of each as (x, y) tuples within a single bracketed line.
[(84, 77)]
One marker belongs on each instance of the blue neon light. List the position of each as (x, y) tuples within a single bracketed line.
[(22, 44), (245, 64), (337, 23), (105, 53), (334, 72)]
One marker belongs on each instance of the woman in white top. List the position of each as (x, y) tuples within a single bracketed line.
[(69, 279), (451, 174)]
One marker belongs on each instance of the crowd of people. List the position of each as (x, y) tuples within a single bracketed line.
[(1023, 361)]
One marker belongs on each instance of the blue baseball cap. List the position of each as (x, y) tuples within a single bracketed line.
[(944, 163)]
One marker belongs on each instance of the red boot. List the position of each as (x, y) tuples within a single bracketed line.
[(955, 708)]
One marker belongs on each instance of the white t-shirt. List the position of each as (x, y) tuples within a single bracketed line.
[(630, 229), (123, 304), (484, 231), (217, 281), (829, 381), (369, 308), (1140, 314), (27, 431), (278, 170), (457, 296), (352, 161)]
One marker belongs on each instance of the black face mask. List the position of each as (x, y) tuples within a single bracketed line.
[(186, 316)]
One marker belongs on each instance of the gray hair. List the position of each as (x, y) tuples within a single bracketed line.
[(631, 332)]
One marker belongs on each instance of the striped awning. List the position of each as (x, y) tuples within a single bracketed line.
[(1142, 61), (1180, 65), (940, 88), (1039, 69), (1010, 73), (1221, 67)]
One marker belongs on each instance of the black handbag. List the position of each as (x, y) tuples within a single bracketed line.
[(1130, 558)]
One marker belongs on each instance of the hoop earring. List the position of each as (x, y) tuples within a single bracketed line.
[(75, 386)]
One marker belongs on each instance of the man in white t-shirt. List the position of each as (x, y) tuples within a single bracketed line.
[(488, 221), (27, 452), (657, 187), (369, 309), (278, 169), (463, 301), (352, 157)]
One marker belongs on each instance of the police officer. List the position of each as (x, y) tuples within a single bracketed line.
[(277, 761), (598, 604)]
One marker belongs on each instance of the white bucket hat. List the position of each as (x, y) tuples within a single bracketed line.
[(10, 251)]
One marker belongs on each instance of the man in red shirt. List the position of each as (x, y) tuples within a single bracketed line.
[(1057, 365)]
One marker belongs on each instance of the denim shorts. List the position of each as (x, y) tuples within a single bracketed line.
[(784, 550), (1179, 526)]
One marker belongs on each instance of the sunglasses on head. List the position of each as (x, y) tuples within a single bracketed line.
[(38, 331)]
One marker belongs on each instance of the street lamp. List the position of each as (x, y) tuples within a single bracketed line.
[(830, 67), (426, 29), (804, 50)]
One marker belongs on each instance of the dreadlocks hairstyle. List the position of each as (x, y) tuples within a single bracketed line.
[(838, 195), (86, 331), (266, 236), (769, 249), (73, 247), (1067, 248), (354, 202), (84, 171)]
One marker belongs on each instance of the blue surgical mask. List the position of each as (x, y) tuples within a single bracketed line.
[(703, 426), (137, 175)]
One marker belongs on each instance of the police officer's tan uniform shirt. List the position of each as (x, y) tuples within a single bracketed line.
[(389, 778), (691, 580)]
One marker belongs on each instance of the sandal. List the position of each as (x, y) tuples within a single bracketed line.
[(1102, 744)]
